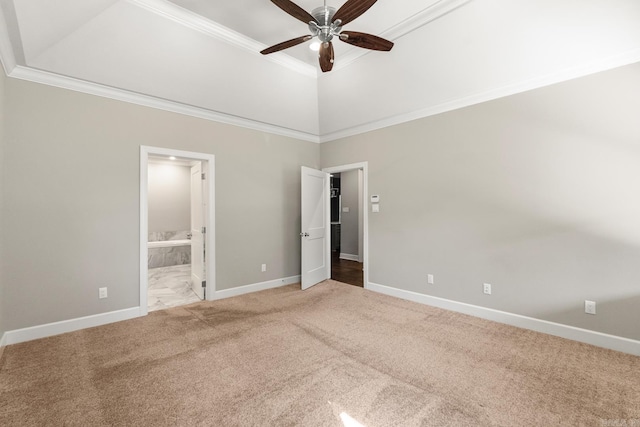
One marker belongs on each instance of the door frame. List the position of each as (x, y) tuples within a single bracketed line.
[(208, 163), (364, 208)]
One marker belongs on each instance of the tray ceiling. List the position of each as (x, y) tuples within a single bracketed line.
[(200, 57)]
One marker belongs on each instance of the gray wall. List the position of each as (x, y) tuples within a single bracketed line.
[(349, 220), (536, 194), (169, 197), (71, 207)]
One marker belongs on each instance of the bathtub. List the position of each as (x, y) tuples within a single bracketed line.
[(166, 253), (169, 243)]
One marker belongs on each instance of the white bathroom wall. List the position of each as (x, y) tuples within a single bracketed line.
[(169, 196)]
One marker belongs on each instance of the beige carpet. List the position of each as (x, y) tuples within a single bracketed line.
[(333, 355)]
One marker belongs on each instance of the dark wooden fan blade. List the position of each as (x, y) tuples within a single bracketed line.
[(352, 9), (326, 57), (285, 45), (367, 41), (294, 10)]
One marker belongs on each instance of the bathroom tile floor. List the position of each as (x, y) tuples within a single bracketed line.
[(170, 287)]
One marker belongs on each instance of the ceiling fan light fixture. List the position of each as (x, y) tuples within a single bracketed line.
[(325, 23)]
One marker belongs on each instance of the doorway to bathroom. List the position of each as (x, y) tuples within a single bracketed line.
[(349, 223), (176, 228)]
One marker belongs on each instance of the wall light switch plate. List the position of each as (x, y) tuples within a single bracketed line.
[(375, 208), (430, 279), (264, 267), (345, 209)]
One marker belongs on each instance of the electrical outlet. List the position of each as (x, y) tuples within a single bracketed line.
[(486, 288), (264, 267), (102, 293), (430, 279), (589, 307)]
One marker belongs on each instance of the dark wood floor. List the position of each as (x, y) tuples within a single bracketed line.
[(346, 271)]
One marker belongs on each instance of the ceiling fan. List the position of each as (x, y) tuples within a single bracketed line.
[(326, 23)]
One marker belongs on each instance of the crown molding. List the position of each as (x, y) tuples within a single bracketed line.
[(194, 21), (420, 19), (609, 63), (65, 82), (47, 78), (199, 23), (12, 69)]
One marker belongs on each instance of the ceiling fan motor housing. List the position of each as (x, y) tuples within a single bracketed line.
[(324, 29)]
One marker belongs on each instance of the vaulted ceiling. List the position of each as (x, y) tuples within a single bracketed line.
[(201, 57)]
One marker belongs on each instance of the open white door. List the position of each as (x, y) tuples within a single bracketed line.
[(316, 260), (197, 231)]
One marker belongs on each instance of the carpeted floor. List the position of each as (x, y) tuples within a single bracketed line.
[(334, 355)]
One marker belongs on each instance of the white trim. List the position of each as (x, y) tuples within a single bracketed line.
[(349, 257), (412, 23), (64, 82), (64, 326), (211, 28), (71, 325), (626, 58), (199, 23), (364, 166), (209, 164), (255, 287), (422, 18), (599, 339), (144, 230)]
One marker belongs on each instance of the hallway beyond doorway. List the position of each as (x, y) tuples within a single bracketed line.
[(346, 271)]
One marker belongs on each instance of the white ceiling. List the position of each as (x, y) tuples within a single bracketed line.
[(200, 57)]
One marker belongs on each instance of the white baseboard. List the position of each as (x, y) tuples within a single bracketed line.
[(349, 257), (599, 339), (56, 328), (255, 287)]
